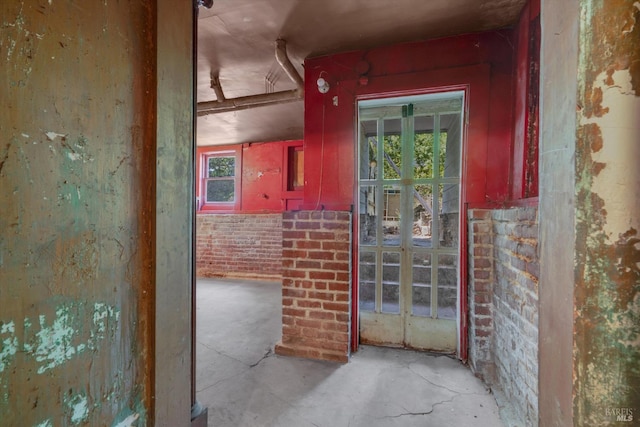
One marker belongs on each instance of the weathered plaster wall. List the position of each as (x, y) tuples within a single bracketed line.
[(607, 289), (173, 165), (77, 149), (556, 210)]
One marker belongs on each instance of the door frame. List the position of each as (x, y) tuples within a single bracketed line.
[(474, 81), (397, 328)]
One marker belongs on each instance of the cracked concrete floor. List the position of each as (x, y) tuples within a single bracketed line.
[(244, 384)]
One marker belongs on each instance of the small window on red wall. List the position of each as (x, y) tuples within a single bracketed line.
[(293, 176), (296, 168), (220, 180)]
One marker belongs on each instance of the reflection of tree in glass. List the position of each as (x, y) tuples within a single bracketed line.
[(393, 157), (423, 155), (220, 191), (221, 166), (221, 182)]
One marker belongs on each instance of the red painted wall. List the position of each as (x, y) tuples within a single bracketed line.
[(263, 168), (481, 64), (501, 147)]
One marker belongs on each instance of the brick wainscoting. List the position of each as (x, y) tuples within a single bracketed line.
[(503, 305), (316, 266), (239, 245)]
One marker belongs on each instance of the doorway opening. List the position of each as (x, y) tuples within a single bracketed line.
[(408, 222)]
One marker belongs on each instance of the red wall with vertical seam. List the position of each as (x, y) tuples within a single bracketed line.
[(526, 98), (486, 60), (261, 169), (480, 64)]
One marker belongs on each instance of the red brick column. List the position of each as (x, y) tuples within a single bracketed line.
[(481, 294), (316, 277)]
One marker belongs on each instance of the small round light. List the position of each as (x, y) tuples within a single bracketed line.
[(323, 85)]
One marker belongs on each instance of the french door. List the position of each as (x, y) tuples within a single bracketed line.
[(408, 222)]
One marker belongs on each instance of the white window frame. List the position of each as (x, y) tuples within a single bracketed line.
[(204, 178)]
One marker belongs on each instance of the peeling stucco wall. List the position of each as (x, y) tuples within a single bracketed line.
[(174, 168), (607, 265), (558, 92), (77, 130)]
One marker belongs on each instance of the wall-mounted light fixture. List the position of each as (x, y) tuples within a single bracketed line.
[(206, 3), (323, 85)]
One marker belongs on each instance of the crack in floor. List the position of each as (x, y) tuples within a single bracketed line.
[(221, 353), (433, 407), (220, 380), (445, 387), (266, 355)]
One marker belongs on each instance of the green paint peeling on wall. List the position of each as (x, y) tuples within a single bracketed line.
[(76, 151), (60, 340), (54, 343), (78, 406), (607, 266), (7, 354), (77, 160), (77, 332), (134, 416), (9, 344)]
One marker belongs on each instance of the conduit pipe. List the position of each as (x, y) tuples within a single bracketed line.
[(217, 88), (246, 102), (222, 105), (287, 66)]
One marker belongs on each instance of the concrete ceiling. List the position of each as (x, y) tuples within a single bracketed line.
[(236, 41)]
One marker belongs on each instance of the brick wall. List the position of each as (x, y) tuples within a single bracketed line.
[(480, 294), (503, 304), (239, 245), (316, 265)]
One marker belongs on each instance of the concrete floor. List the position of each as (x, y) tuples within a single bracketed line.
[(243, 383)]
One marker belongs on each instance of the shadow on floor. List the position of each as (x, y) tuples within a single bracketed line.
[(244, 384)]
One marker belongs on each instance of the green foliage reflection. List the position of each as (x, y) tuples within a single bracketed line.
[(423, 155)]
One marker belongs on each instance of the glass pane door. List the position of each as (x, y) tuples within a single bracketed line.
[(408, 220)]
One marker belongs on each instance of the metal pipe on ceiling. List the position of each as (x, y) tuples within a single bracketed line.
[(223, 105), (217, 88), (246, 102), (287, 66)]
